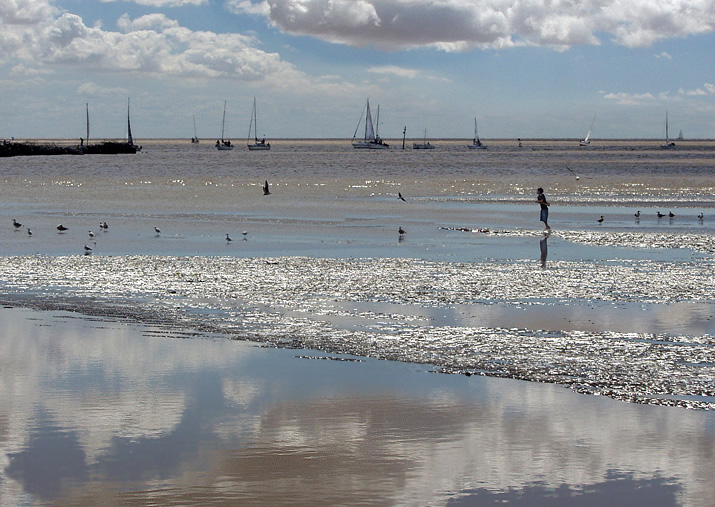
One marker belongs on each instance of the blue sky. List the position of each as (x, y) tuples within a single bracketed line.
[(525, 68)]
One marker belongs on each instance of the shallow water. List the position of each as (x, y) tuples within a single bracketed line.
[(104, 411)]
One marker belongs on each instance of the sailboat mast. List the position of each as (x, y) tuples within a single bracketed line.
[(195, 136), (86, 105), (666, 126), (368, 120), (377, 127), (223, 122)]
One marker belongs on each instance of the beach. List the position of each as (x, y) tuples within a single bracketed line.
[(317, 284)]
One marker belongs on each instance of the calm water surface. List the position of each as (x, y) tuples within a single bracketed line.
[(98, 411)]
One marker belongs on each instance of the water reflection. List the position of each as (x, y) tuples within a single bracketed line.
[(95, 411), (544, 248)]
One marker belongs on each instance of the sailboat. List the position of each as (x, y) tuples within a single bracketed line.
[(668, 143), (680, 136), (195, 139), (476, 143), (371, 140), (110, 147), (261, 145), (424, 145), (585, 141), (223, 145)]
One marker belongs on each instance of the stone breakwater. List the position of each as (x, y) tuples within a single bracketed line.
[(381, 308)]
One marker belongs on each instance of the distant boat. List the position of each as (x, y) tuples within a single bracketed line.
[(585, 141), (223, 145), (668, 144), (195, 139), (110, 147), (424, 145), (680, 136), (261, 145), (371, 140), (476, 143)]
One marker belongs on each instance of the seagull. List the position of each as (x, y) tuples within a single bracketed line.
[(399, 196), (600, 219), (16, 224), (401, 231), (245, 233), (700, 216), (670, 214), (61, 228), (29, 232), (266, 190), (104, 225), (228, 238), (90, 233), (157, 230), (87, 248), (637, 214), (660, 215)]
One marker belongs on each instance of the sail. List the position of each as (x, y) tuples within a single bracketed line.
[(129, 125), (87, 109), (369, 130)]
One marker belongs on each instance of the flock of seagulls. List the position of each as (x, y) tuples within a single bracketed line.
[(670, 214), (266, 191)]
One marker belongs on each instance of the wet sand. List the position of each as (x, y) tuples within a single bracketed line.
[(105, 411)]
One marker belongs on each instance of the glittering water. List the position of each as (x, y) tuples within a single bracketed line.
[(623, 308)]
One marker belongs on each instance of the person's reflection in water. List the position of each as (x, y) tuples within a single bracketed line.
[(544, 247)]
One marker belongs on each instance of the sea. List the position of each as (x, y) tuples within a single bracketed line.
[(427, 259)]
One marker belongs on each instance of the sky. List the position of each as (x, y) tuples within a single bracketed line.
[(523, 68)]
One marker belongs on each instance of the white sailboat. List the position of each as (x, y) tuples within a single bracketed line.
[(424, 145), (476, 143), (261, 145), (371, 140), (680, 136), (668, 143), (585, 141), (223, 145), (195, 139)]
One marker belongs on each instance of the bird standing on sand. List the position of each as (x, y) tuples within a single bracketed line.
[(157, 230), (670, 214), (245, 233), (637, 214), (16, 224), (103, 225), (266, 189), (399, 196), (660, 215), (29, 232), (701, 216), (90, 234), (228, 238), (401, 231), (87, 248), (600, 219), (61, 228)]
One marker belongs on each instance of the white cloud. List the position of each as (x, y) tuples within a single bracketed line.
[(707, 89), (664, 55), (629, 98), (94, 90), (34, 33), (162, 3), (457, 25), (395, 71)]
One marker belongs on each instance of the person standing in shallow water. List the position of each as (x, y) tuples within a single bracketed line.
[(541, 199)]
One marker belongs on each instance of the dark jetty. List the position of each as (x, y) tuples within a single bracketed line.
[(12, 149)]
